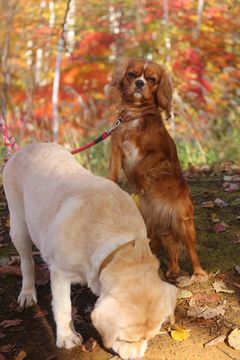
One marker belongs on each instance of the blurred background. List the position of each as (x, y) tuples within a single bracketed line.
[(57, 57)]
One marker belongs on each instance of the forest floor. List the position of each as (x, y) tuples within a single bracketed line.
[(205, 310)]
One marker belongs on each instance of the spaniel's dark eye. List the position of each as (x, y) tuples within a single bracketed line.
[(151, 79), (132, 75)]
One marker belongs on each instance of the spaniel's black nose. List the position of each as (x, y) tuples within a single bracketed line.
[(139, 83)]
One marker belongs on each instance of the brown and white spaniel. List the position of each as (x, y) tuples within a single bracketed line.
[(143, 148)]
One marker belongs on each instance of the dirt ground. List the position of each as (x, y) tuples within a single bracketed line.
[(30, 334)]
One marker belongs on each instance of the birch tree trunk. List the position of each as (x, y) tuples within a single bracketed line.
[(56, 80), (199, 18)]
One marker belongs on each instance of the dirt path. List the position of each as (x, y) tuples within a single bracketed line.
[(29, 334)]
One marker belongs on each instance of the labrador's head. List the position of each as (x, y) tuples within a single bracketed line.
[(128, 321)]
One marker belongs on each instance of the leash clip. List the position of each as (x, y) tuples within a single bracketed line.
[(115, 125)]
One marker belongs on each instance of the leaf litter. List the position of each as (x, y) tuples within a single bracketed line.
[(234, 339), (220, 286), (215, 341)]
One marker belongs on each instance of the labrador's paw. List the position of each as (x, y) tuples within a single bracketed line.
[(27, 298), (69, 341)]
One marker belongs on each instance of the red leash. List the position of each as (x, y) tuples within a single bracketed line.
[(103, 136), (11, 144), (8, 140)]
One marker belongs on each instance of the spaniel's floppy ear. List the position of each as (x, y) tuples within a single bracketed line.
[(164, 94), (117, 77)]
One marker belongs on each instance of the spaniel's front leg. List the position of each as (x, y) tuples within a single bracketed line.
[(115, 160)]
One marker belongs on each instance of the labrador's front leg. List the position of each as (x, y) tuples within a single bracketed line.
[(61, 302)]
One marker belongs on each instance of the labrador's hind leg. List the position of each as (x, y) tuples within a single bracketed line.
[(21, 239)]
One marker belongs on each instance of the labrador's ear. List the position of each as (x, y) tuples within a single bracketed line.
[(105, 321), (117, 77), (164, 94)]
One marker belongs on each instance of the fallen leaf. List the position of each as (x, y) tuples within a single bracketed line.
[(215, 218), (215, 341), (89, 345), (208, 204), (40, 314), (135, 198), (220, 286), (7, 348), (9, 323), (180, 334), (184, 294), (10, 270), (233, 187), (14, 260), (202, 299), (51, 357), (234, 339), (21, 356), (237, 268), (236, 178), (227, 178), (7, 222), (220, 227), (183, 281), (206, 312), (220, 203)]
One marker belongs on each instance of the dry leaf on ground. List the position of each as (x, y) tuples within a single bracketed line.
[(180, 334), (220, 286), (215, 341), (40, 314), (14, 260), (208, 204), (183, 281), (7, 348), (10, 270), (9, 323), (234, 339), (89, 345), (21, 356), (232, 187), (215, 218), (237, 268), (203, 299), (227, 178), (184, 294), (220, 203), (206, 312), (220, 227)]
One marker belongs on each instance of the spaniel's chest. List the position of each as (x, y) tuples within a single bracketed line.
[(132, 137), (131, 151)]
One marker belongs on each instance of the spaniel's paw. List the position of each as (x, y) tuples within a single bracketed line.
[(69, 341), (200, 276)]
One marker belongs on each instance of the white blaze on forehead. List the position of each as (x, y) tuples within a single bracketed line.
[(142, 76)]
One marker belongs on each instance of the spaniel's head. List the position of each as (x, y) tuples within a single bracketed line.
[(140, 82)]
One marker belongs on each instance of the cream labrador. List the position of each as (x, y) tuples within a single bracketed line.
[(88, 231)]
